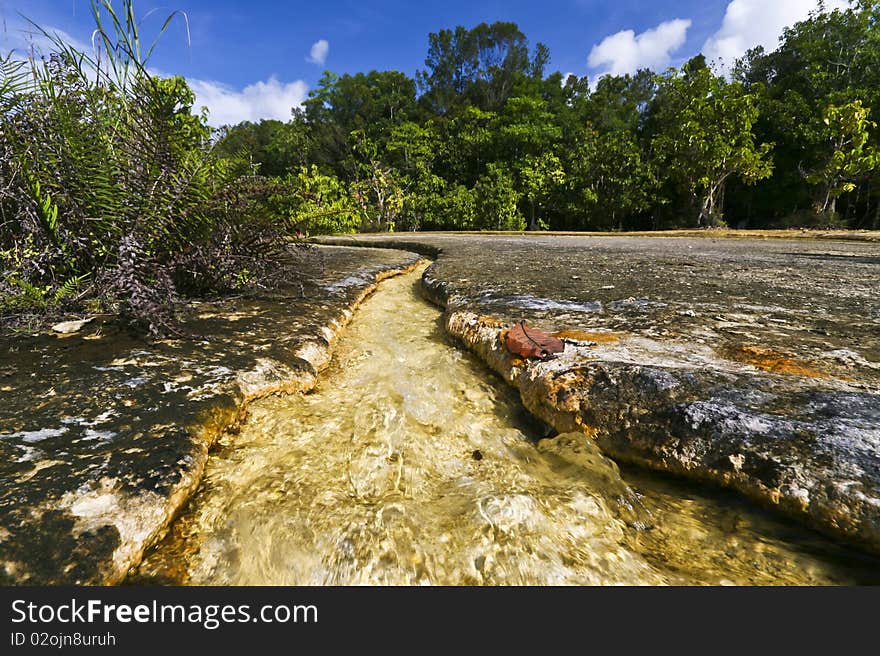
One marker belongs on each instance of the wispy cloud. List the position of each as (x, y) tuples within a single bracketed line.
[(749, 23), (23, 39), (319, 51), (271, 99), (627, 52)]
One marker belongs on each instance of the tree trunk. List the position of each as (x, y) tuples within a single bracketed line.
[(828, 199), (703, 221), (532, 222), (866, 215)]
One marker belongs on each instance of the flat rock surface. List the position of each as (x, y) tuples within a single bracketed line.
[(753, 363), (104, 436)]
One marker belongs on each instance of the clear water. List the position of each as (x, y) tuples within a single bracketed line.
[(410, 464)]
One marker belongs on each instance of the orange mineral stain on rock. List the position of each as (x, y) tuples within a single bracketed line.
[(486, 320), (776, 362), (590, 431), (581, 336)]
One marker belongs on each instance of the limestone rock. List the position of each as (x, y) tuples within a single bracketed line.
[(102, 442), (69, 327), (752, 364)]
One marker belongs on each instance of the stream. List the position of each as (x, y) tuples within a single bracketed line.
[(410, 463)]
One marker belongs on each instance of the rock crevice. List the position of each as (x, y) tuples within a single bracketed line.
[(103, 437)]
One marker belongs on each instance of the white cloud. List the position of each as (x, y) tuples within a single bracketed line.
[(262, 100), (318, 53), (627, 52), (749, 23)]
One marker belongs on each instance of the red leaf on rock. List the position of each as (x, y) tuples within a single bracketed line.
[(531, 343)]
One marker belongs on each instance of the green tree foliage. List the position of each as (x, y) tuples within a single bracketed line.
[(269, 148), (115, 193), (851, 158), (318, 204), (496, 201), (412, 150), (479, 66), (702, 135), (485, 138), (373, 102), (619, 102), (610, 180), (539, 176), (831, 59)]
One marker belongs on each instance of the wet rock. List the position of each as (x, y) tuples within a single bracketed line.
[(104, 437), (753, 364)]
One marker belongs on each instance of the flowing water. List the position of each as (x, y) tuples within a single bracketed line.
[(411, 464)]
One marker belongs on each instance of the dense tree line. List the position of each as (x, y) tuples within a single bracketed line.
[(485, 138), (115, 197)]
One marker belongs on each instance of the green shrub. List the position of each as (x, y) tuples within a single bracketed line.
[(108, 176)]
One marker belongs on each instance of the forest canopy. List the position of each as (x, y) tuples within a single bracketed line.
[(485, 138)]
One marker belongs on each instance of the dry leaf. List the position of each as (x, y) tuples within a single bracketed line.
[(531, 343)]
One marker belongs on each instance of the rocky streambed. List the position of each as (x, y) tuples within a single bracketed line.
[(752, 364), (104, 437), (411, 464)]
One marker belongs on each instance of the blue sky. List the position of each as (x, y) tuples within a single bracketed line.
[(252, 59)]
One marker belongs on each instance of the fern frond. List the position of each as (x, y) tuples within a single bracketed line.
[(68, 289)]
